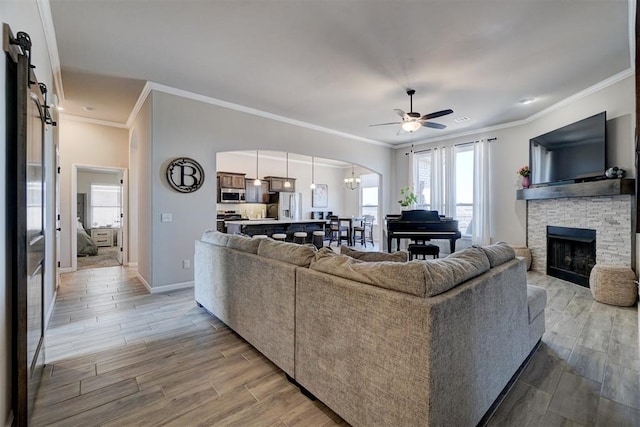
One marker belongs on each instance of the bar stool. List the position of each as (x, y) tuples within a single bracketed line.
[(260, 236), (279, 236), (422, 250), (318, 239), (299, 237)]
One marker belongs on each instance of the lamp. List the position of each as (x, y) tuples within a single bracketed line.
[(287, 184), (313, 181), (352, 183), (411, 126), (257, 180)]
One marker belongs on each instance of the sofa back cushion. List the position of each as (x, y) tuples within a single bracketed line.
[(397, 276), (499, 253), (443, 274), (291, 253), (243, 243), (215, 237), (400, 256)]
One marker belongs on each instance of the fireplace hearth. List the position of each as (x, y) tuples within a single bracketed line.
[(571, 253)]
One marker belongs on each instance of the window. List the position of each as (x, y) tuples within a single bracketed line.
[(444, 182), (423, 179), (369, 195), (105, 205), (464, 187)]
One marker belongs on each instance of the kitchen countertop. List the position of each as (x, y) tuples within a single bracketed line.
[(265, 221)]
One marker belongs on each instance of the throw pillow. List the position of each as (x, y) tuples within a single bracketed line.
[(498, 253), (244, 244), (400, 256), (215, 237), (291, 253)]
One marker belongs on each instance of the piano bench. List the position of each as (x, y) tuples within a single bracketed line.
[(419, 250)]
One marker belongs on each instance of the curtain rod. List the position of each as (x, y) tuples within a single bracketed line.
[(454, 145)]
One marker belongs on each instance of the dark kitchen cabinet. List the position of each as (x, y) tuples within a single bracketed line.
[(277, 183), (256, 193), (231, 180)]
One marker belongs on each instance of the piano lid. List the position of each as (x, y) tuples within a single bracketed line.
[(419, 215)]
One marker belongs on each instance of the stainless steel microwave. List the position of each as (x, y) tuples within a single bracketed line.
[(232, 195)]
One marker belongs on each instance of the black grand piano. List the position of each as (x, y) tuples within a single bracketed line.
[(420, 224)]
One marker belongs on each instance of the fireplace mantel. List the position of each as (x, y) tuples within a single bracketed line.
[(605, 187)]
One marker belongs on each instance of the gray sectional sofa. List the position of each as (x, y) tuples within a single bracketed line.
[(382, 343)]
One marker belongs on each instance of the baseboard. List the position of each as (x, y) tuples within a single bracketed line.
[(47, 318), (144, 282), (66, 270), (164, 288), (9, 422), (171, 287), (132, 264)]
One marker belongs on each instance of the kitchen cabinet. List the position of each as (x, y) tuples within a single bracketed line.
[(102, 237), (256, 193), (231, 180), (276, 183)]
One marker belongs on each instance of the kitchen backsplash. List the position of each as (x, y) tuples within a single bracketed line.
[(247, 210)]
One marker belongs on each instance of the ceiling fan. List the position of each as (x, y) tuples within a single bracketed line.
[(412, 121)]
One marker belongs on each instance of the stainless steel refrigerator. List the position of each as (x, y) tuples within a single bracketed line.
[(289, 205)]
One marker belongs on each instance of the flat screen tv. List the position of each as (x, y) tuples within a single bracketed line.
[(573, 152)]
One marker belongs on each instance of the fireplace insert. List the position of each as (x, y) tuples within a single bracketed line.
[(571, 253)]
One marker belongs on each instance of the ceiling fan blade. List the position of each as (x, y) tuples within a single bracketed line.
[(434, 125), (384, 124), (400, 113), (436, 114)]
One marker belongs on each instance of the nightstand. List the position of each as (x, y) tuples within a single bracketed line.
[(102, 236)]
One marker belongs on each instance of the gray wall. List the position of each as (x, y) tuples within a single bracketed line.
[(184, 127)]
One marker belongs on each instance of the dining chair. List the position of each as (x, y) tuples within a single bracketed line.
[(364, 231), (336, 231)]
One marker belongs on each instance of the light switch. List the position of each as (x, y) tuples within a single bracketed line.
[(166, 217)]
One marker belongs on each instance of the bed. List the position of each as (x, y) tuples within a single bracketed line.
[(86, 246)]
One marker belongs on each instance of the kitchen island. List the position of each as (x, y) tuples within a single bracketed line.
[(269, 227)]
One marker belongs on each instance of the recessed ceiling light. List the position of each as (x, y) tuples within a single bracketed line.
[(528, 100), (88, 108), (461, 119)]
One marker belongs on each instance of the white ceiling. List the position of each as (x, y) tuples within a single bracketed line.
[(343, 65)]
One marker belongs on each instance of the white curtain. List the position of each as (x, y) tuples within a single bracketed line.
[(437, 174), (411, 179), (481, 194)]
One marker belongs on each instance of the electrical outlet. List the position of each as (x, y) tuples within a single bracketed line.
[(186, 263), (166, 217)]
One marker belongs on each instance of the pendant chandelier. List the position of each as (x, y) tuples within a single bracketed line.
[(352, 183), (287, 183), (313, 181), (257, 180)]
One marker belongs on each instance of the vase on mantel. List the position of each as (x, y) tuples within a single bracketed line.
[(525, 182)]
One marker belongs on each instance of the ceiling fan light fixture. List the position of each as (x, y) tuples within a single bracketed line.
[(411, 126)]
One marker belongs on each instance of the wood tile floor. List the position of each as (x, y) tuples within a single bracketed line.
[(119, 356)]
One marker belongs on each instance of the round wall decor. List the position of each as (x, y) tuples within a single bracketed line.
[(185, 175)]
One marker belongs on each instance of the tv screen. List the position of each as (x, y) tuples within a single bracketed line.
[(572, 152)]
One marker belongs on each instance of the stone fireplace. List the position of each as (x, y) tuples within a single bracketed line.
[(571, 253), (608, 216)]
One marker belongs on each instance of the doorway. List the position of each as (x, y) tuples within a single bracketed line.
[(98, 209)]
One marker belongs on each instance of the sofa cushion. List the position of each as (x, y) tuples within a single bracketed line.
[(398, 276), (243, 243), (400, 256), (498, 253), (215, 237), (291, 253), (536, 301), (445, 273)]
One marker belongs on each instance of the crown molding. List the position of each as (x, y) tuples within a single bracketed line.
[(563, 103), (44, 10), (146, 90), (93, 121), (229, 105)]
